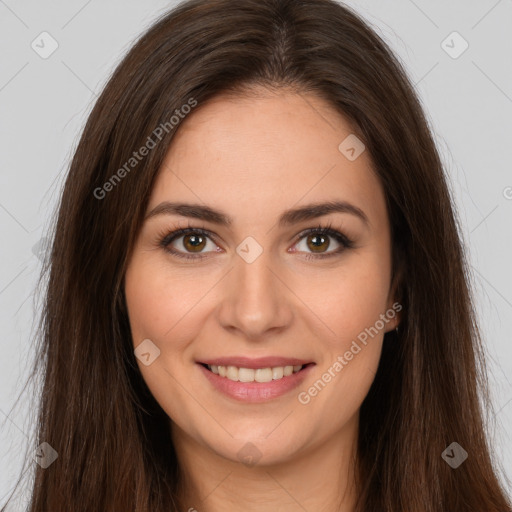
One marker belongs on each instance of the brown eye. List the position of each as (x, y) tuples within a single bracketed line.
[(318, 243), (315, 242), (189, 243), (194, 242)]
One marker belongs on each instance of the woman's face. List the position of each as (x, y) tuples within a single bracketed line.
[(258, 292)]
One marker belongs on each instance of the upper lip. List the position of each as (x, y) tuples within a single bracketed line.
[(254, 363)]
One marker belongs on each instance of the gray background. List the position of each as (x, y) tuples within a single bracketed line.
[(44, 103)]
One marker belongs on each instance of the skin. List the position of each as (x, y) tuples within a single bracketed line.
[(254, 157)]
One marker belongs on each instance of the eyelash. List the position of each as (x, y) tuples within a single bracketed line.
[(346, 243)]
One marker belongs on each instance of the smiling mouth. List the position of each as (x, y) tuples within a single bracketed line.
[(269, 374)]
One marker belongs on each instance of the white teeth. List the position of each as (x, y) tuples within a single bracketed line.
[(232, 373), (245, 375), (277, 373), (263, 375), (250, 375)]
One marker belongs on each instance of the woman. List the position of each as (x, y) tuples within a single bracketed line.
[(257, 296)]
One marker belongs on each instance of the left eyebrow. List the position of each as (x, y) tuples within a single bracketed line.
[(312, 211), (289, 217)]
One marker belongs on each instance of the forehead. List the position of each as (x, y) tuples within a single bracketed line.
[(255, 156)]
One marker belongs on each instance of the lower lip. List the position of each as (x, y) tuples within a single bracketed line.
[(256, 392)]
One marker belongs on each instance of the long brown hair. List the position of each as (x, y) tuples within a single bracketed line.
[(113, 442)]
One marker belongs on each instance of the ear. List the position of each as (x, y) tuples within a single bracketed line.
[(394, 302)]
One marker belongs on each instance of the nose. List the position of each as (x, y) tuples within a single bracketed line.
[(256, 303)]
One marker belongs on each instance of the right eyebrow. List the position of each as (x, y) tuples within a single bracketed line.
[(195, 211)]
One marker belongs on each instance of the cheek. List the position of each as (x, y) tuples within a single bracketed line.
[(160, 302), (351, 306), (350, 300), (340, 387), (159, 309)]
